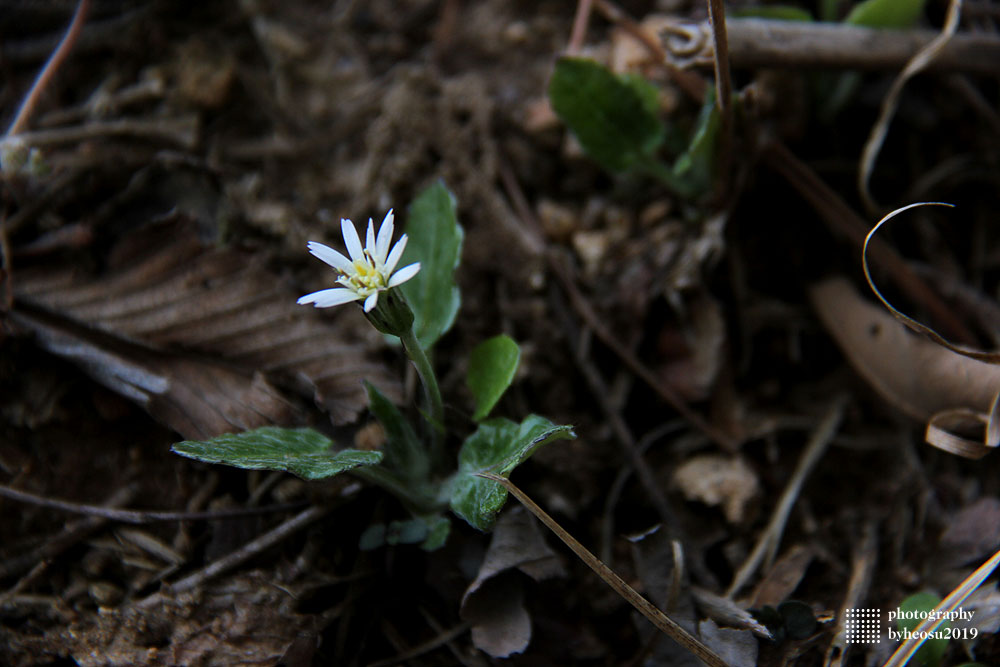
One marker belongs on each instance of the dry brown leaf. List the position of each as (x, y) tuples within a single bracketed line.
[(199, 335), (784, 576), (911, 372), (494, 602), (715, 479)]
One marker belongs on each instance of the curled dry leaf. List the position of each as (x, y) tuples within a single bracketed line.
[(494, 602), (950, 391), (201, 336)]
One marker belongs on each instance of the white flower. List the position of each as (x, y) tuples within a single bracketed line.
[(368, 271)]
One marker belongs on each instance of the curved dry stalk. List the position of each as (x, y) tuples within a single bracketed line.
[(924, 58), (989, 357)]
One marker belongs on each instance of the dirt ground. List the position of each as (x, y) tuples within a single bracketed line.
[(732, 380)]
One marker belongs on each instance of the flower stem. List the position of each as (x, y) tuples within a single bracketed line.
[(415, 497), (431, 391)]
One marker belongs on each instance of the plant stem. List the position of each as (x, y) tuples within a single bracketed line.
[(416, 498), (431, 391), (653, 167)]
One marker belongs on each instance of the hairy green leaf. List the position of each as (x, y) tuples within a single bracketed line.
[(497, 446), (435, 240), (611, 116), (492, 365), (303, 452)]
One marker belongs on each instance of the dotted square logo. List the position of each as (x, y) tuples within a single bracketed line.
[(862, 626)]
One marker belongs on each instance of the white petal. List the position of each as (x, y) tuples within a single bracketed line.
[(384, 237), (330, 256), (371, 301), (329, 297), (370, 238), (396, 254), (351, 239), (404, 274)]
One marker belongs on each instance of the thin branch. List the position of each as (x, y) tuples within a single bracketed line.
[(135, 516), (71, 534), (757, 43), (841, 218), (426, 647), (181, 131)]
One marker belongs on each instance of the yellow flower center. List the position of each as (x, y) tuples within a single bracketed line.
[(367, 278)]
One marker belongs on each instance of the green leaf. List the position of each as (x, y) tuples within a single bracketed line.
[(886, 13), (303, 452), (492, 365), (438, 528), (933, 649), (611, 116), (696, 165), (404, 452), (497, 446), (430, 531), (435, 240)]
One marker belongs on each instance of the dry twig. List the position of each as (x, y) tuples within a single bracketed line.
[(71, 534), (241, 555), (136, 516), (767, 544)]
